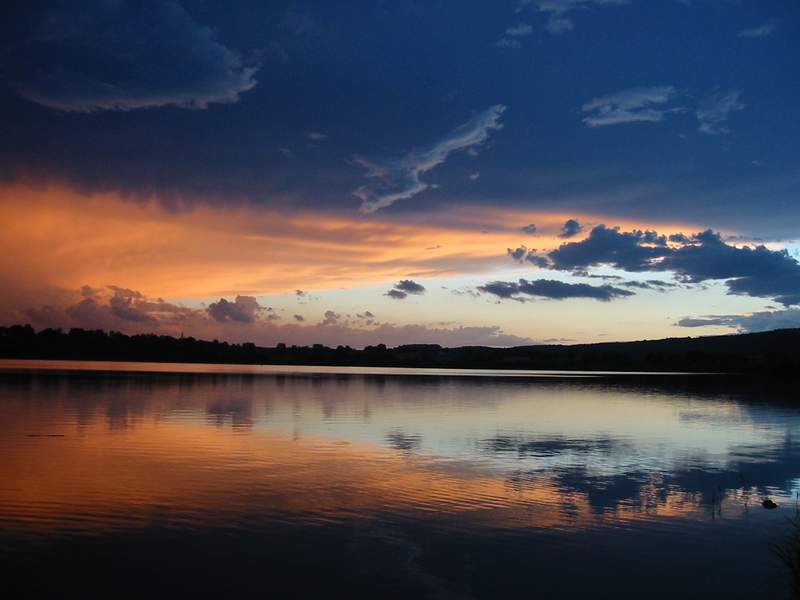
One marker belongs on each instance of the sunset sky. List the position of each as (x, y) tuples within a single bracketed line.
[(452, 172)]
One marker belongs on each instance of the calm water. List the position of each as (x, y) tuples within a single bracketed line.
[(154, 480)]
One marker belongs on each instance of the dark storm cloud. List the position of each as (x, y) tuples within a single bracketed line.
[(748, 270), (622, 250), (524, 254), (396, 294), (651, 284), (552, 289), (570, 228), (117, 55), (244, 309), (752, 271), (410, 287), (518, 254)]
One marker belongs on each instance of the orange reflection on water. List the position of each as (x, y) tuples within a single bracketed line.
[(186, 474)]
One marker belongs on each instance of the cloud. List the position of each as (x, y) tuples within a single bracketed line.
[(72, 308), (519, 30), (410, 287), (630, 251), (516, 31), (330, 318), (750, 323), (244, 309), (299, 318), (557, 11), (524, 254), (636, 105), (552, 289), (714, 111), (124, 56), (762, 31), (508, 43), (753, 271), (317, 136), (405, 287), (529, 229), (396, 294), (651, 284), (399, 179), (570, 229), (112, 307), (126, 304)]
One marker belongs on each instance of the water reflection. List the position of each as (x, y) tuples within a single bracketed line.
[(427, 483)]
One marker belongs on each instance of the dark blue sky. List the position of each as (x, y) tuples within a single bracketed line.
[(380, 79)]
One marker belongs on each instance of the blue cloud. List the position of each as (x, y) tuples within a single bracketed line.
[(552, 289), (125, 56)]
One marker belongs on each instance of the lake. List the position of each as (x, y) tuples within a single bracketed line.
[(123, 479)]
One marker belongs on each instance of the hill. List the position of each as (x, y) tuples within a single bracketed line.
[(769, 352)]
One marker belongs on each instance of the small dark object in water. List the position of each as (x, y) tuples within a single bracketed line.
[(769, 504)]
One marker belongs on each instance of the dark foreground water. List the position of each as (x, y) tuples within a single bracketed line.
[(318, 483)]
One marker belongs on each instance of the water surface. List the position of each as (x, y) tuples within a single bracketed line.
[(212, 480)]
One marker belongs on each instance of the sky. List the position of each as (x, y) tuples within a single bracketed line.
[(450, 172)]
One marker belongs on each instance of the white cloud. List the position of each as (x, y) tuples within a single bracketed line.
[(644, 104), (519, 30), (317, 136), (399, 179), (557, 11), (715, 110), (762, 31), (508, 43)]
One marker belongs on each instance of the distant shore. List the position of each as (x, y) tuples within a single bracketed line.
[(773, 352)]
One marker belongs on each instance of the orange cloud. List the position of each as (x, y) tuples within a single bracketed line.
[(56, 236)]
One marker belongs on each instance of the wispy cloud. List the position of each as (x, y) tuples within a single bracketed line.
[(509, 40), (762, 31), (652, 104), (558, 11), (508, 43), (399, 179), (642, 104), (317, 136), (714, 111)]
